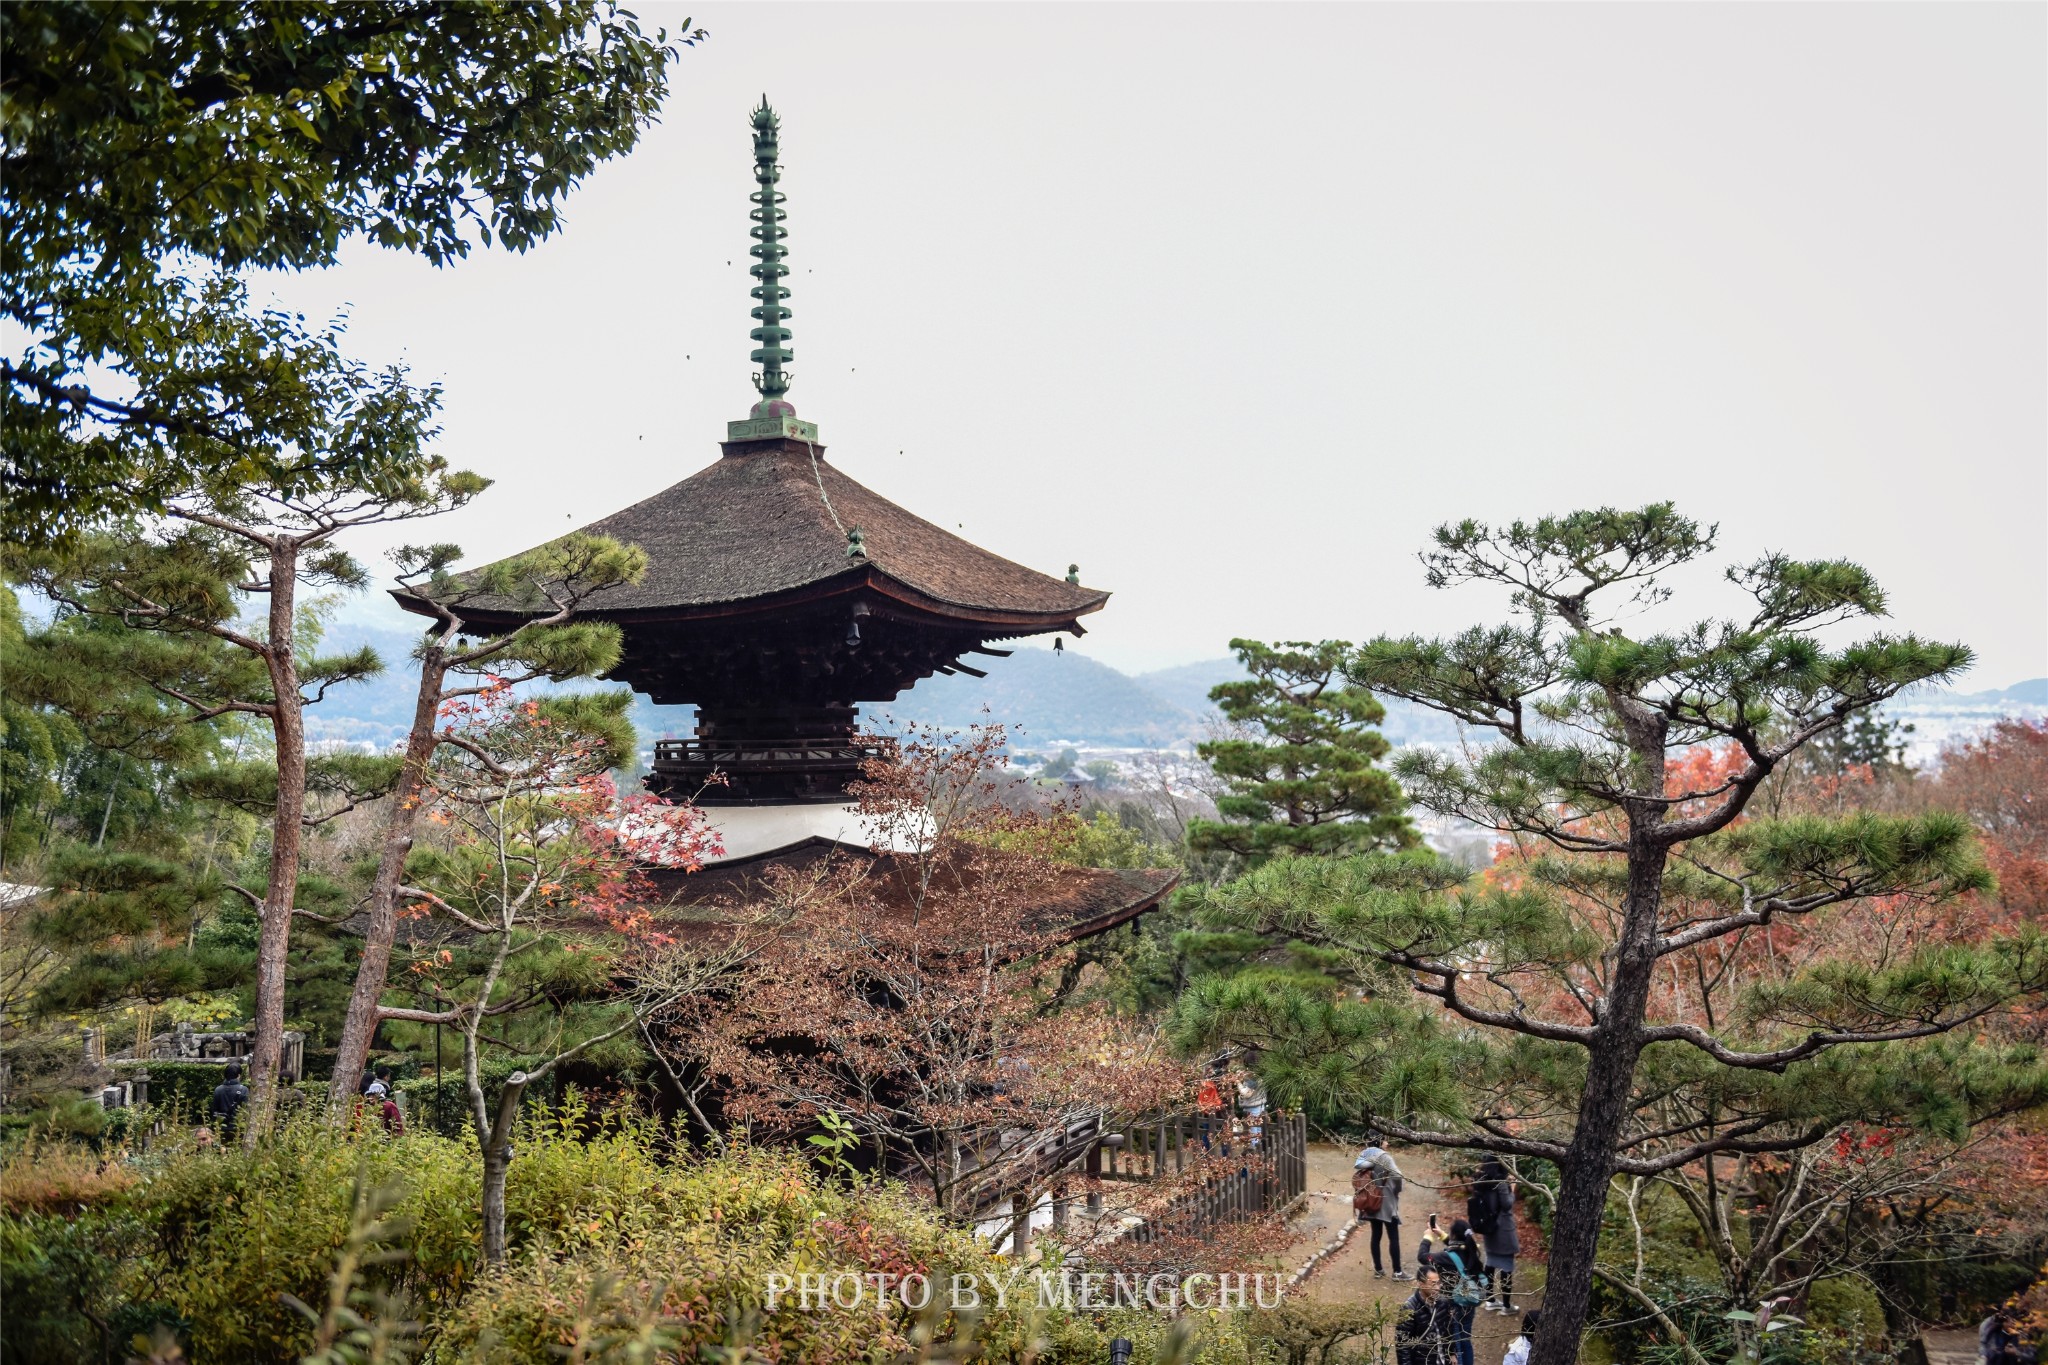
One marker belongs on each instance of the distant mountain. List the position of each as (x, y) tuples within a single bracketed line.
[(376, 711), (1069, 698), (2032, 692), (1941, 716), (1187, 686), (1052, 698)]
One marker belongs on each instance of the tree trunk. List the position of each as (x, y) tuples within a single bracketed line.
[(1603, 1112), (359, 1028), (287, 827), (497, 1164), (497, 1148)]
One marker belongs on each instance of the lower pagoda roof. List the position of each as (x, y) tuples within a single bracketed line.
[(1074, 903), (766, 528)]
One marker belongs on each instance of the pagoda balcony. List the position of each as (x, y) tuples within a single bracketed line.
[(765, 772)]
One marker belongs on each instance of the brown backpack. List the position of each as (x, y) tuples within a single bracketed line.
[(1366, 1194)]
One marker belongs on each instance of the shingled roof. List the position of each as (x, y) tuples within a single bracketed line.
[(1075, 903), (755, 525)]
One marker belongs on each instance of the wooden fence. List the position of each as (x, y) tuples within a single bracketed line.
[(1271, 1175)]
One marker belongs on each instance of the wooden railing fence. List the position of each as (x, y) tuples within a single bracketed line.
[(1273, 1174)]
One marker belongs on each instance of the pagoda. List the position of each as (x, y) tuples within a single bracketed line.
[(781, 595)]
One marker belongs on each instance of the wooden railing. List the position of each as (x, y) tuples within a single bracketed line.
[(1263, 1163), (1271, 1175)]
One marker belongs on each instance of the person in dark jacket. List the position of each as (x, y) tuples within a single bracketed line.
[(1423, 1331), (1493, 1203), (1998, 1340), (226, 1108)]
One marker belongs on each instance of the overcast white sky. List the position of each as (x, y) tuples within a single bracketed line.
[(1231, 305)]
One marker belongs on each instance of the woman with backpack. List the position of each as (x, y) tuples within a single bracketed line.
[(1464, 1284), (1491, 1211), (1376, 1197)]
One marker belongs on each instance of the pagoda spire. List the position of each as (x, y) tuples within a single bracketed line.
[(773, 380), (774, 415)]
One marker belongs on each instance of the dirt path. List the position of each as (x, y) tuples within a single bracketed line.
[(1950, 1348), (1346, 1276)]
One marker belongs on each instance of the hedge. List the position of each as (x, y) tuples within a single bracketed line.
[(443, 1106), (184, 1086)]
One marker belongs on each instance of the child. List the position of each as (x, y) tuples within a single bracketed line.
[(1518, 1349)]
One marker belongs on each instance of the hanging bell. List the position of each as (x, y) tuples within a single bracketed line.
[(1059, 645)]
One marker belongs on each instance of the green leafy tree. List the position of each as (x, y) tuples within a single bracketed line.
[(122, 926), (1543, 1040), (1302, 774), (35, 742), (91, 753), (149, 149)]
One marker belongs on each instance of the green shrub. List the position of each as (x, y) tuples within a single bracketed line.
[(60, 1277), (612, 1228), (1849, 1309), (444, 1105), (238, 1228), (185, 1088)]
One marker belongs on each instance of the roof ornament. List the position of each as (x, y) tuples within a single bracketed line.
[(774, 416), (1074, 574), (767, 253), (856, 548)]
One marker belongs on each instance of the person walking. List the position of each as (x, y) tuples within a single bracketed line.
[(225, 1108), (1422, 1332), (1376, 1165), (1491, 1211)]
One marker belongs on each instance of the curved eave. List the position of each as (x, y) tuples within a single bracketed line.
[(1102, 924), (905, 601)]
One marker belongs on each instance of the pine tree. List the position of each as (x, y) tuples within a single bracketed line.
[(1301, 772), (1303, 781), (173, 606), (552, 645), (1550, 1036)]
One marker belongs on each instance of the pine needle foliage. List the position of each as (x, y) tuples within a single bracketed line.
[(1612, 1000)]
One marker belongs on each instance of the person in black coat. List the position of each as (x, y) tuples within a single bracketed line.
[(226, 1107), (1491, 1211), (1425, 1331)]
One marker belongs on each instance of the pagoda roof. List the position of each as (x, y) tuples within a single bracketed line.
[(768, 524), (1074, 903)]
